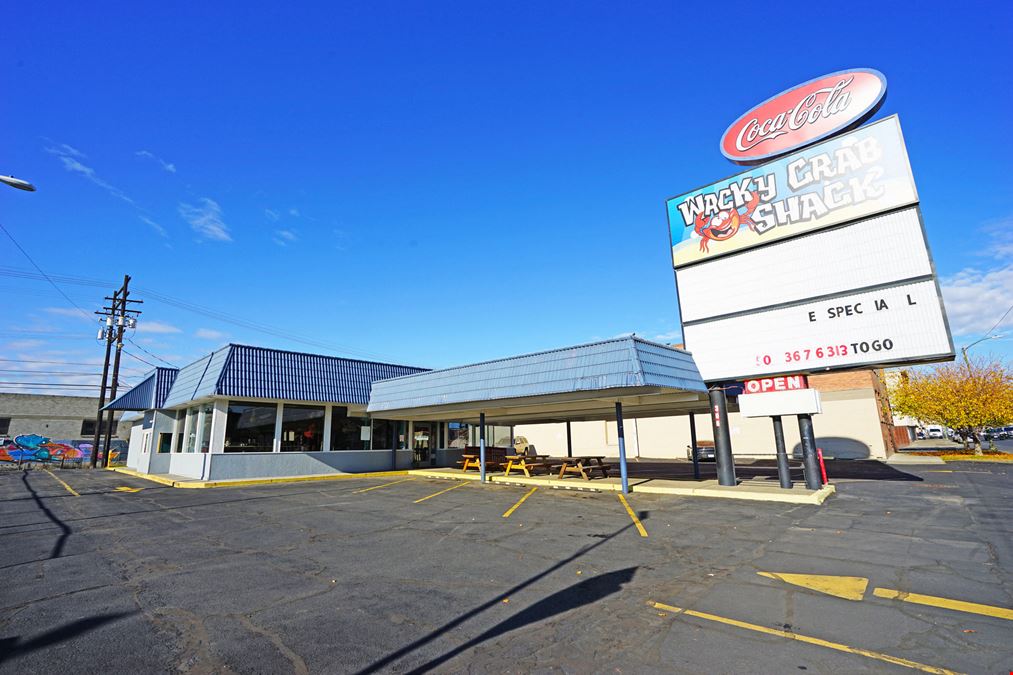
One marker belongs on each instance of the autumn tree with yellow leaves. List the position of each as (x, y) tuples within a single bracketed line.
[(966, 396)]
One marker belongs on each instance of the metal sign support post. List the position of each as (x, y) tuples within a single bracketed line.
[(812, 469), (481, 446), (783, 470), (722, 440), (569, 440), (622, 448), (694, 451)]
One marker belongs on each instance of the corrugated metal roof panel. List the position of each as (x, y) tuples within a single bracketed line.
[(608, 364), (187, 382), (148, 394), (257, 372)]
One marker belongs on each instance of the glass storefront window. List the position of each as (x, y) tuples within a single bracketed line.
[(191, 426), (389, 434), (495, 436), (302, 428), (346, 432), (249, 427), (205, 437), (457, 435)]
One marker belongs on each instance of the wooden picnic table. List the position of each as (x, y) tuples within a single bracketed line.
[(583, 465), (526, 463)]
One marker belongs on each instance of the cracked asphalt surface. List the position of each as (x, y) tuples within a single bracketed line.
[(325, 578)]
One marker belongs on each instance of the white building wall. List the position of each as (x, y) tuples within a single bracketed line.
[(848, 428)]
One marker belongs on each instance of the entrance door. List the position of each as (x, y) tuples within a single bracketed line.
[(423, 443)]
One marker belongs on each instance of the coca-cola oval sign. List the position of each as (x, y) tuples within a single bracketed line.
[(805, 114)]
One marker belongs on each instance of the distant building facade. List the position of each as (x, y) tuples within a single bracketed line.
[(56, 417), (856, 423)]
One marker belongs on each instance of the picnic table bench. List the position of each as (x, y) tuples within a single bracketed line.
[(495, 458), (584, 465), (526, 463)]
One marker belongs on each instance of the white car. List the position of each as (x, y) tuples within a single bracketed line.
[(934, 432)]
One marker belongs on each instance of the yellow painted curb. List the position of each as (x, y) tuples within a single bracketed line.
[(746, 491), (244, 482)]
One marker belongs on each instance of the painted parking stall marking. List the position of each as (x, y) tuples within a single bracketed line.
[(819, 642), (853, 588), (61, 482), (377, 487), (519, 502), (633, 516), (437, 494)]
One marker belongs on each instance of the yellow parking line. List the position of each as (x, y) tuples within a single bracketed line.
[(58, 480), (519, 502), (636, 521), (377, 487), (945, 603), (437, 494), (805, 638)]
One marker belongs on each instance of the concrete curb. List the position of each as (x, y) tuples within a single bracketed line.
[(745, 491), (244, 482)]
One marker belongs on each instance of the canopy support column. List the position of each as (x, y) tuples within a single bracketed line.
[(569, 440), (694, 451), (622, 448), (481, 446), (813, 480), (783, 470), (722, 439)]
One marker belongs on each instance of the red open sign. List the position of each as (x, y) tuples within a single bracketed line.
[(784, 383)]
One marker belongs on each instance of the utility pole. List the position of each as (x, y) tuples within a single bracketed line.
[(118, 316)]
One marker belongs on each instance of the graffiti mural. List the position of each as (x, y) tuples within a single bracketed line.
[(36, 448)]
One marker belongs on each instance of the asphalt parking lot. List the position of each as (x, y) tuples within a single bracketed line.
[(108, 573)]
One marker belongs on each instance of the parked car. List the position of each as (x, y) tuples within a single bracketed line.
[(705, 451), (934, 431)]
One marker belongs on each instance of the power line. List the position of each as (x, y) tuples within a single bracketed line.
[(45, 276), (1001, 319), (135, 371), (131, 341), (205, 311)]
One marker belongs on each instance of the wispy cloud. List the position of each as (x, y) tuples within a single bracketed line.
[(156, 327), (293, 212), (70, 156), (67, 311), (171, 168), (271, 215), (155, 226), (209, 334), (285, 237), (1000, 234), (206, 219), (975, 299)]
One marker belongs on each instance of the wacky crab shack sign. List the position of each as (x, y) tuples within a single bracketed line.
[(848, 177), (804, 115)]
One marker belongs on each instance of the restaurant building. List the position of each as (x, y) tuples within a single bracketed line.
[(253, 412), (246, 412)]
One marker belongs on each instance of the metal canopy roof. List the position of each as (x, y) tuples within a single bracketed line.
[(583, 382), (148, 394), (242, 371)]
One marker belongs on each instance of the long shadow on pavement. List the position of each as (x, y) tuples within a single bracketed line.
[(11, 647), (528, 617)]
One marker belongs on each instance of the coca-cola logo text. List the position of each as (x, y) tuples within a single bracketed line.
[(804, 115)]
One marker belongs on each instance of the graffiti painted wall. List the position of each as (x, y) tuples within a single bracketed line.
[(37, 448)]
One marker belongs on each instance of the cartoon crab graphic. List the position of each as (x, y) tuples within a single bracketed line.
[(724, 224)]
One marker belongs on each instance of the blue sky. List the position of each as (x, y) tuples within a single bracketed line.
[(436, 183)]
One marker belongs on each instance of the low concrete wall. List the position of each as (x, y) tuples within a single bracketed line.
[(448, 456), (188, 464), (159, 462), (231, 465)]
